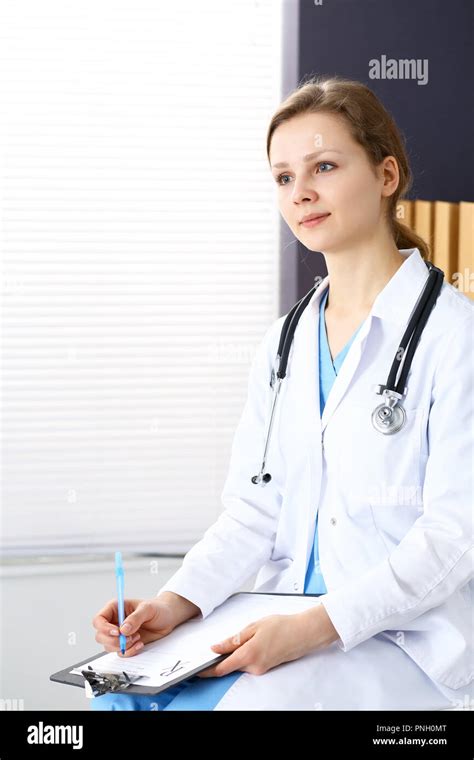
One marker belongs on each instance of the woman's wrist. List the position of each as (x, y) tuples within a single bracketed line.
[(183, 609), (317, 628)]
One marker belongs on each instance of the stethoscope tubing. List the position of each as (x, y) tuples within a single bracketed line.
[(414, 329), (393, 390)]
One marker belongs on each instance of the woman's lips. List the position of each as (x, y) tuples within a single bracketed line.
[(314, 222)]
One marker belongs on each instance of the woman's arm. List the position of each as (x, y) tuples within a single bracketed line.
[(183, 609), (317, 630)]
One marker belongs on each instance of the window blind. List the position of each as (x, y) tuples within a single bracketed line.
[(140, 263)]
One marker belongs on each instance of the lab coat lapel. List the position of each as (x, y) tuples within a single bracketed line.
[(346, 373), (394, 303), (302, 389), (306, 365)]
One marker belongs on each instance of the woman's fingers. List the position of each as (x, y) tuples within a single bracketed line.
[(132, 649), (106, 617), (112, 643)]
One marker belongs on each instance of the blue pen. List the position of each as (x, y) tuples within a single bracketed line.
[(120, 597)]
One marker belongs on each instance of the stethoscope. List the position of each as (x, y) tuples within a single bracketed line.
[(390, 416)]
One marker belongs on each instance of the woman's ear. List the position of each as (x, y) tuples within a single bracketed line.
[(390, 175)]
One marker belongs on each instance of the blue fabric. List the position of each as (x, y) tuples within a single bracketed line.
[(204, 693), (192, 694), (328, 370)]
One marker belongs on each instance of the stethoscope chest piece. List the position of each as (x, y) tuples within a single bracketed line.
[(388, 419)]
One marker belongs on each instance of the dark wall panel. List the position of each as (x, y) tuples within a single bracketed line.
[(436, 118)]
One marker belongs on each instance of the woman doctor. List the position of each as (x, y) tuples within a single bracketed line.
[(379, 525)]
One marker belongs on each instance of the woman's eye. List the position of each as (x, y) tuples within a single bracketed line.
[(325, 163), (319, 164)]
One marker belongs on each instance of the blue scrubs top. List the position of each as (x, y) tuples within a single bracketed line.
[(204, 693)]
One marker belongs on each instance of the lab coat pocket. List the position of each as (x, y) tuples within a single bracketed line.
[(396, 501), (384, 470)]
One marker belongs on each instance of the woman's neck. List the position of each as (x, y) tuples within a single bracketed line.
[(356, 277)]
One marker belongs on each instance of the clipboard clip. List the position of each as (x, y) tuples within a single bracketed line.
[(101, 683)]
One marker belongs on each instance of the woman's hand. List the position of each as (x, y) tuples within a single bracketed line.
[(272, 640), (146, 620)]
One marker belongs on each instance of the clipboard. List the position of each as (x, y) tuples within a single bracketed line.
[(127, 684)]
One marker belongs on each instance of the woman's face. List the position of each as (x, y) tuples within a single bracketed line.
[(326, 172)]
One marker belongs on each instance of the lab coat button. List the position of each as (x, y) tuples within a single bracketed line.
[(333, 521), (295, 586)]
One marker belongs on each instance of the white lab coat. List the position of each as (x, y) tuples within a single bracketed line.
[(395, 511)]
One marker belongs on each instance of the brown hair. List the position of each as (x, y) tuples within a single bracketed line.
[(370, 124)]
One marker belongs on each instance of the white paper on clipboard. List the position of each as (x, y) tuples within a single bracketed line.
[(188, 647)]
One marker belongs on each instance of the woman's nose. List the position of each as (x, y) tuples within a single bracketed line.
[(303, 191)]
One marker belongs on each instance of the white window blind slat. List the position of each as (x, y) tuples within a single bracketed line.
[(140, 262)]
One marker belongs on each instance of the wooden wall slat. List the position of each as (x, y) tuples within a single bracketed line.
[(423, 222), (448, 229), (465, 264), (445, 237)]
